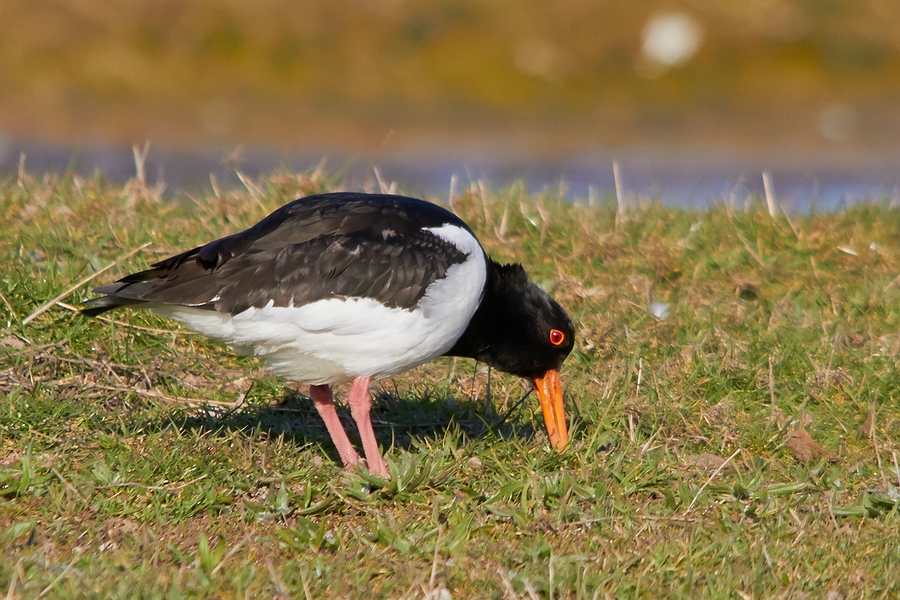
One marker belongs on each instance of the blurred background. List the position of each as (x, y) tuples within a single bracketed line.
[(691, 98)]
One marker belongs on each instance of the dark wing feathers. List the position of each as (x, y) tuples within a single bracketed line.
[(333, 245), (396, 273)]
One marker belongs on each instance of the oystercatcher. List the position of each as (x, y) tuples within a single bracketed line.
[(353, 287)]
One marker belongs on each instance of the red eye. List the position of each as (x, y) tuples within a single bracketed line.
[(557, 337)]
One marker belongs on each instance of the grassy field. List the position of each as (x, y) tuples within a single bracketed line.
[(741, 442)]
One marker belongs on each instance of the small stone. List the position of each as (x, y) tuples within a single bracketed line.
[(660, 310), (805, 448), (12, 342), (710, 461)]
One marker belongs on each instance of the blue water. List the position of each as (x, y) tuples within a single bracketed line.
[(679, 177)]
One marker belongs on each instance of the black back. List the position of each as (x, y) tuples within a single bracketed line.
[(330, 245)]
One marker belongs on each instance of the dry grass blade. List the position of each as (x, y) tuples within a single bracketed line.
[(750, 250), (11, 591), (896, 468), (20, 181), (12, 311), (500, 232), (711, 477), (280, 587), (508, 590), (140, 162), (59, 577), (771, 202), (383, 186), (72, 288), (68, 484), (159, 488), (635, 516), (254, 190), (434, 562), (164, 397), (71, 308), (620, 193), (229, 554)]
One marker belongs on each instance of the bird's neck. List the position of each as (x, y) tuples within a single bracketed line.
[(492, 316)]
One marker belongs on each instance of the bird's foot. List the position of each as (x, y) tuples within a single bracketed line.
[(384, 474)]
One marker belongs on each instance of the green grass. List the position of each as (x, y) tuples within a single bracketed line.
[(117, 480)]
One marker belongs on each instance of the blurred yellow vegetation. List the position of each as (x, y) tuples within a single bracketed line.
[(356, 72)]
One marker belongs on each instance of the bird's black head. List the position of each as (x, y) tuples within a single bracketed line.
[(518, 328)]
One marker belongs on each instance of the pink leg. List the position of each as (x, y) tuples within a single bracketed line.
[(324, 401), (360, 403)]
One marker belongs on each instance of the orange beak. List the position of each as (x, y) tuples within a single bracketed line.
[(549, 391)]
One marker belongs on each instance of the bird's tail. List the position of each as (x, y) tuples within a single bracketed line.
[(112, 299)]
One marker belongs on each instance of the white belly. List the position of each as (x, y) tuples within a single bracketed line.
[(334, 340)]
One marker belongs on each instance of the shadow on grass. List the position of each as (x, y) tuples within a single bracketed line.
[(397, 420)]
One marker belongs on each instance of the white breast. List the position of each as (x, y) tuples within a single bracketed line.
[(334, 340)]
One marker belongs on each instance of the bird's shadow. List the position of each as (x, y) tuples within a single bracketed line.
[(397, 419)]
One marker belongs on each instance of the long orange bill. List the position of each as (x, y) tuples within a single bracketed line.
[(549, 391)]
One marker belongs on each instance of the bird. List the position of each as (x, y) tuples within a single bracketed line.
[(356, 287)]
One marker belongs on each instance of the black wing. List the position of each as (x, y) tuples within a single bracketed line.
[(331, 245)]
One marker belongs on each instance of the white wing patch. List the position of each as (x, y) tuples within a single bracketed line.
[(334, 340)]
